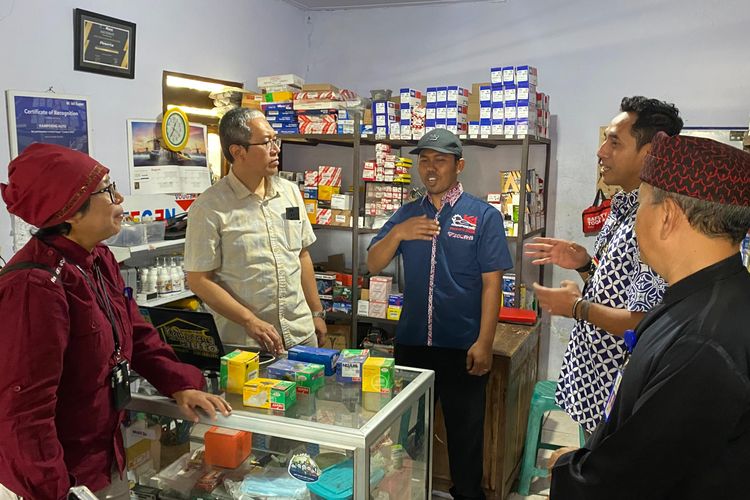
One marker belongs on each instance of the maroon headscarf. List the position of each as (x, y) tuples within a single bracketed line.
[(47, 183)]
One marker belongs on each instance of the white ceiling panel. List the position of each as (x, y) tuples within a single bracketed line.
[(371, 4)]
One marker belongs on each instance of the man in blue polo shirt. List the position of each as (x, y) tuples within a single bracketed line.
[(454, 252)]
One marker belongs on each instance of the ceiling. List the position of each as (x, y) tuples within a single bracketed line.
[(369, 4)]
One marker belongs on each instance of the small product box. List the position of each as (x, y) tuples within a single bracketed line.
[(526, 73), (324, 216), (236, 368), (349, 365), (510, 92), (311, 207), (378, 375), (378, 309), (380, 288), (312, 178), (485, 95), (393, 313), (497, 93), (308, 376), (363, 307), (269, 393), (509, 75), (473, 128), (496, 74), (226, 447), (326, 192), (310, 193), (317, 355)]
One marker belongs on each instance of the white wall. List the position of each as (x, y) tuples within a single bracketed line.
[(589, 53), (233, 39)]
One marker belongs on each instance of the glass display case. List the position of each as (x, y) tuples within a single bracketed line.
[(326, 444)]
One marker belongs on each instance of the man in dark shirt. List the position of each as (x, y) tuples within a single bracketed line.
[(454, 251), (677, 424)]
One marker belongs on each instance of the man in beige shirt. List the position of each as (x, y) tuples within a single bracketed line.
[(246, 246)]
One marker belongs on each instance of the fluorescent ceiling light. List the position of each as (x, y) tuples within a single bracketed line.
[(189, 83)]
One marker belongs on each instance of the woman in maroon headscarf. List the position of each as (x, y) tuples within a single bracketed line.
[(69, 333)]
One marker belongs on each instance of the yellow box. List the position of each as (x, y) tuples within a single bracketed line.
[(278, 96), (238, 367), (393, 313), (378, 375), (326, 192), (269, 393), (311, 207)]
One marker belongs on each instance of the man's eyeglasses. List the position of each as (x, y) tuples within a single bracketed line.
[(111, 189), (268, 143)]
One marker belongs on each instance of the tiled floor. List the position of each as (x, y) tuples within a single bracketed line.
[(558, 428)]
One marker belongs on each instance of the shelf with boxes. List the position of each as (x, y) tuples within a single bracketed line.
[(506, 111)]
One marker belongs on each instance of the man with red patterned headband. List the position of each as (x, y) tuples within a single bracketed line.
[(677, 421)]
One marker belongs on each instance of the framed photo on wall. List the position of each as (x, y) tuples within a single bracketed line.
[(103, 44)]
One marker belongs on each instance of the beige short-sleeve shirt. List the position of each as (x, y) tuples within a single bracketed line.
[(253, 247)]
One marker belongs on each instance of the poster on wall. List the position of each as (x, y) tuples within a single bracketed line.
[(44, 117), (154, 169)]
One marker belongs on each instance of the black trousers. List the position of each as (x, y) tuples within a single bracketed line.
[(462, 398)]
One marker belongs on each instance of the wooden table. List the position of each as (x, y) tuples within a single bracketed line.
[(514, 371)]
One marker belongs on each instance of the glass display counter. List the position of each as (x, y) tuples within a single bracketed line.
[(325, 445)]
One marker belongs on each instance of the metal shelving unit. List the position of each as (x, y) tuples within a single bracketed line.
[(354, 141)]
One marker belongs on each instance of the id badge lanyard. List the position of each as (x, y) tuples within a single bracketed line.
[(103, 300), (631, 339)]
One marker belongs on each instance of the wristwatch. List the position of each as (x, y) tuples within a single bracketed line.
[(589, 267), (319, 314)]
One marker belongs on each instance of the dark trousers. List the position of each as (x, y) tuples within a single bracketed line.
[(462, 398)]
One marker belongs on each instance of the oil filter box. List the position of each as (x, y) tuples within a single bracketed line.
[(350, 363), (308, 376), (238, 367), (378, 375), (269, 393), (317, 355)]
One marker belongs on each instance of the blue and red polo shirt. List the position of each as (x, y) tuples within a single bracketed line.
[(443, 277)]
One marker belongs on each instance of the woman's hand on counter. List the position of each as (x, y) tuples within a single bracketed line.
[(191, 399)]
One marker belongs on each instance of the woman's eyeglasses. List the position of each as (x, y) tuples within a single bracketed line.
[(111, 190)]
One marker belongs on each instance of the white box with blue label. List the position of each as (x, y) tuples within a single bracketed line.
[(497, 93), (510, 127), (485, 95), (474, 128), (509, 92), (496, 74), (509, 75), (498, 128), (349, 365), (526, 73), (431, 95), (441, 95), (526, 91)]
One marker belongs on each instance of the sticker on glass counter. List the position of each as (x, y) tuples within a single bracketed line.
[(304, 468)]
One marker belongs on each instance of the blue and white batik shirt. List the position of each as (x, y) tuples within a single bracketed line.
[(622, 281)]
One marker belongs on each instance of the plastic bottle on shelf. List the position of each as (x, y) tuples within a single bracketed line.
[(152, 280), (175, 274), (163, 279)]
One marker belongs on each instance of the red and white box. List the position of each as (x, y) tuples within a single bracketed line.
[(329, 176), (325, 216), (312, 178)]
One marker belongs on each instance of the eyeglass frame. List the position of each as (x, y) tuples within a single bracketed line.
[(111, 189), (267, 143)]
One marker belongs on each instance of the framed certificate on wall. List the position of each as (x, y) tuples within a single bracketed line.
[(104, 44)]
